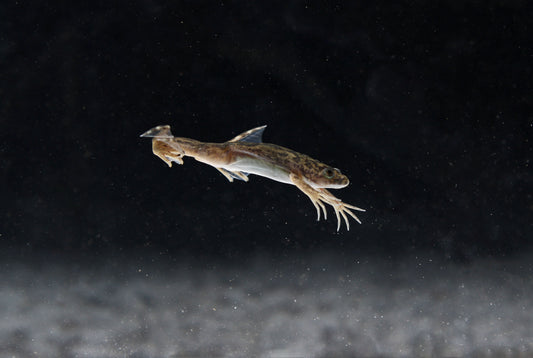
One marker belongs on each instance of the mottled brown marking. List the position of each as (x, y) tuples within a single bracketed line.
[(309, 175), (297, 163)]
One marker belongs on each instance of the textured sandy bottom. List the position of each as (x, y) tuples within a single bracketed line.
[(313, 306)]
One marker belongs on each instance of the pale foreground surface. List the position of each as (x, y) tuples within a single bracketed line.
[(311, 306)]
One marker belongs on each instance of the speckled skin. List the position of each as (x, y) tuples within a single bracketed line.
[(294, 162), (236, 158)]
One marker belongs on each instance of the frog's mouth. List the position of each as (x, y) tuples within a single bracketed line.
[(328, 184), (336, 185)]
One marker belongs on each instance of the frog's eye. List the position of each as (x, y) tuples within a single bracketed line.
[(329, 173)]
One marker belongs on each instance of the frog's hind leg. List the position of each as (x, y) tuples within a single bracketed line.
[(168, 151), (158, 132), (230, 175)]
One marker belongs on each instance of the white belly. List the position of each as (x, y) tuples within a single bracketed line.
[(258, 167)]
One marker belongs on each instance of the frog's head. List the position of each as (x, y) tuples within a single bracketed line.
[(324, 176)]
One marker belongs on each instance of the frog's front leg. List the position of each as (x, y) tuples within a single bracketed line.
[(312, 193), (339, 207), (320, 196)]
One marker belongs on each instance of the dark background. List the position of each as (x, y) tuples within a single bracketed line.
[(426, 106)]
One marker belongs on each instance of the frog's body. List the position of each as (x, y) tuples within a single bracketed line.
[(247, 154)]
